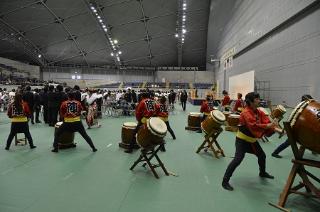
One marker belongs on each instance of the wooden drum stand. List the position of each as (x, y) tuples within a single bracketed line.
[(146, 156), (211, 139), (298, 167)]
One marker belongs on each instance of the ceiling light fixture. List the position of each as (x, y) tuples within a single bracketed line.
[(98, 14)]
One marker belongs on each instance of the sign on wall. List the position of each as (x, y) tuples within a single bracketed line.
[(227, 58)]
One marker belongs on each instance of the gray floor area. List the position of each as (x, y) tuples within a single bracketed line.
[(77, 180)]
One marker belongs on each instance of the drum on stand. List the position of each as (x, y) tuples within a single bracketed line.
[(278, 112), (194, 121), (305, 123), (66, 139), (226, 114), (152, 133), (213, 122), (127, 134), (233, 122)]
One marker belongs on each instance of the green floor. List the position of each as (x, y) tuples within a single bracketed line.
[(78, 180)]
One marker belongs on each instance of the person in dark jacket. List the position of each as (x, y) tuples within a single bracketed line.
[(134, 96), (44, 103), (37, 104), (183, 99), (77, 93), (53, 105)]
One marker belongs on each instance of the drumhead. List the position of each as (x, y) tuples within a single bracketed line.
[(264, 110), (58, 124), (157, 126), (296, 112), (195, 114), (281, 108), (218, 116), (234, 116), (130, 124)]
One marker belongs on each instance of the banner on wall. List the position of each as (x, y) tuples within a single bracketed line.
[(241, 83)]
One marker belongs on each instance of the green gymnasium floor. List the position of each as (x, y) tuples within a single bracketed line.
[(77, 180)]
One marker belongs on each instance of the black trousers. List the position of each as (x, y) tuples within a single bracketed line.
[(243, 147), (169, 129), (72, 127), (36, 110), (281, 147), (53, 115), (45, 114), (183, 104), (19, 127)]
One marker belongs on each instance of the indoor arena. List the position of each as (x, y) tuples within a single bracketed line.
[(159, 105)]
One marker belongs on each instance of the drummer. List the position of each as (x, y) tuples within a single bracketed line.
[(162, 113), (18, 112), (70, 111), (253, 125), (206, 107), (286, 144), (144, 110), (226, 100), (239, 105)]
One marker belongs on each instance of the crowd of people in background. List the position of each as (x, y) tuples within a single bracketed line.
[(46, 101)]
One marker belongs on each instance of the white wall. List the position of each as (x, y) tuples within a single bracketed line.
[(91, 79), (130, 76), (185, 76), (289, 58), (34, 71)]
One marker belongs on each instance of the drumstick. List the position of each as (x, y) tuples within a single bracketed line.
[(173, 174), (279, 207)]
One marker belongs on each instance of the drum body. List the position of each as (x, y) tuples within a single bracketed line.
[(152, 133), (66, 140), (305, 124), (233, 120), (278, 112), (226, 114), (127, 132), (194, 120), (213, 122)]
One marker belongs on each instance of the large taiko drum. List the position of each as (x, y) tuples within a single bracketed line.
[(226, 114), (127, 133), (194, 120), (278, 112), (233, 120), (305, 123), (152, 133), (66, 140), (213, 122)]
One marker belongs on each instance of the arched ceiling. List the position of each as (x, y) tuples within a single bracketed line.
[(68, 32)]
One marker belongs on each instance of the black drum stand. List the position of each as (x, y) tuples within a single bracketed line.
[(146, 157), (209, 140), (298, 168)]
